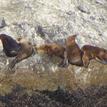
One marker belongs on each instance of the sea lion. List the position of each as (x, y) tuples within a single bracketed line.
[(25, 51), (20, 49), (92, 52), (73, 52), (10, 45), (51, 49)]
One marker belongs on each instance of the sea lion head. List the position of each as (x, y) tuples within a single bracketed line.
[(2, 36), (71, 40)]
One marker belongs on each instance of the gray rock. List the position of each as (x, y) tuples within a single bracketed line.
[(83, 9), (2, 22), (101, 1)]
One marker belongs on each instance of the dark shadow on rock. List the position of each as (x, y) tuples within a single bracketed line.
[(2, 23), (39, 30)]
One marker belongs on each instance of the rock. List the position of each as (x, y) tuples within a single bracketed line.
[(101, 1), (39, 31), (84, 9), (2, 23)]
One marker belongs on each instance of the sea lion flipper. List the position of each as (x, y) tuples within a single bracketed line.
[(64, 62)]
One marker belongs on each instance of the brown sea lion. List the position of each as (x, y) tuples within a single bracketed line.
[(25, 52), (73, 52), (92, 52), (51, 49)]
